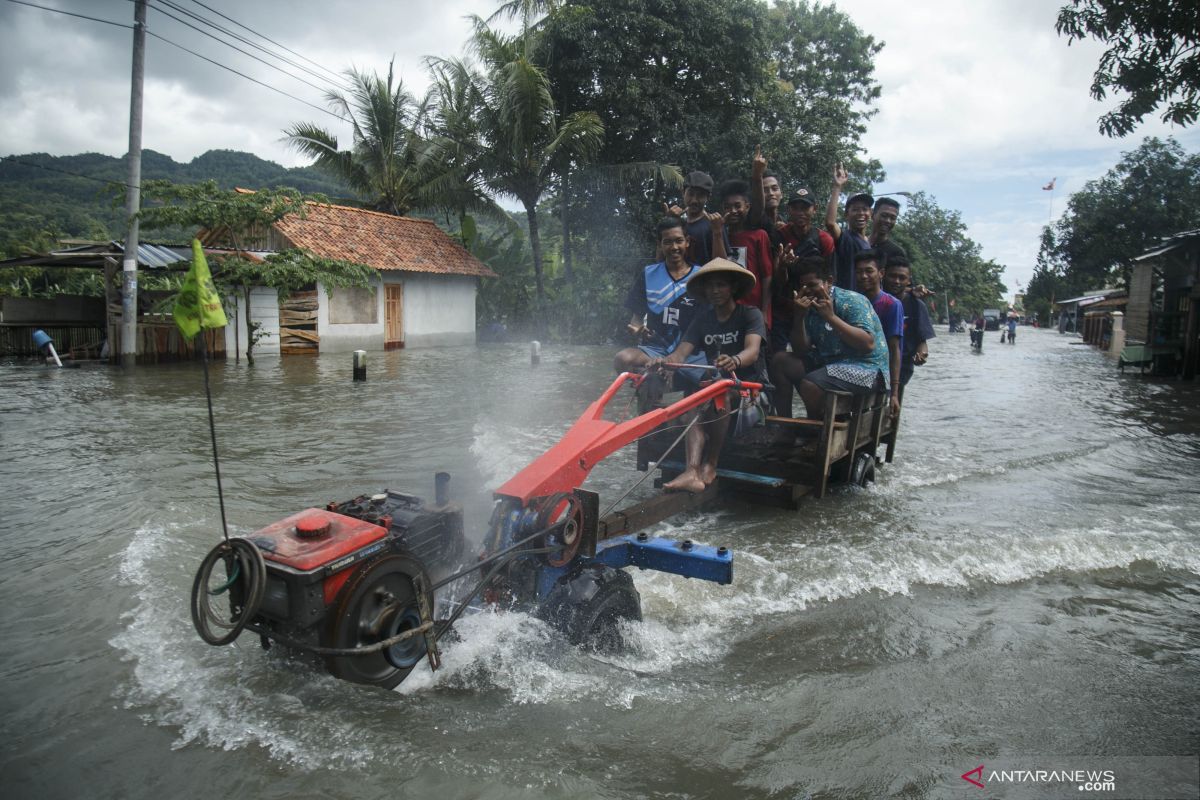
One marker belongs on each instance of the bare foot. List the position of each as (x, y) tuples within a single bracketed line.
[(707, 473), (686, 481)]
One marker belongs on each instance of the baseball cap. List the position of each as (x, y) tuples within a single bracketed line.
[(698, 180), (802, 196), (861, 197)]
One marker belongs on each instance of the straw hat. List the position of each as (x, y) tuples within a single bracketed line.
[(743, 280)]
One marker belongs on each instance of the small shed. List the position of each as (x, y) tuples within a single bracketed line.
[(424, 295), (1164, 301), (1070, 312)]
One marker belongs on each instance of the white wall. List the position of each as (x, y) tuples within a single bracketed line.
[(439, 310), (264, 309)]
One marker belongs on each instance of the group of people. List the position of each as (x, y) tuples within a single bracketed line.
[(759, 291)]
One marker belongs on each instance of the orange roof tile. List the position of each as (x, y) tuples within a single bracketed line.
[(382, 241)]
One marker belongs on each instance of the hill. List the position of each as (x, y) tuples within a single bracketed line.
[(40, 204)]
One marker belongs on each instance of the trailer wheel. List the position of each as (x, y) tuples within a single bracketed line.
[(863, 471), (378, 602), (588, 606)]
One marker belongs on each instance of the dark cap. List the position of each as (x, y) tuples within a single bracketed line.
[(861, 197), (698, 180), (802, 197)]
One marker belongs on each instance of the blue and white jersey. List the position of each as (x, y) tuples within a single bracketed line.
[(665, 302)]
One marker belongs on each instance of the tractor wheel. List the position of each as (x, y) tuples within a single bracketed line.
[(378, 602), (863, 471), (589, 605)]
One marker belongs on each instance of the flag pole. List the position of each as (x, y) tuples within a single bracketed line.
[(212, 431)]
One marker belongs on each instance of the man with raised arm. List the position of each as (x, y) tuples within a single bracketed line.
[(706, 239), (766, 195), (852, 238)]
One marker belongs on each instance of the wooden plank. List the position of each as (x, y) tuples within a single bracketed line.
[(803, 423), (299, 333), (649, 512), (290, 318)]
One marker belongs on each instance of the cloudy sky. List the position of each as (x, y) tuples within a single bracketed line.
[(982, 104)]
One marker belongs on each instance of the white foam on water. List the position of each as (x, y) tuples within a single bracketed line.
[(229, 697)]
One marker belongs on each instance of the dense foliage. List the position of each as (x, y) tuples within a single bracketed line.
[(1153, 57), (1153, 192)]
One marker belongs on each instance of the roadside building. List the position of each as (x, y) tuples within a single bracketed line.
[(1163, 317), (424, 294), (1069, 313)]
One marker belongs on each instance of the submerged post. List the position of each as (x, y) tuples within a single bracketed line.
[(535, 353), (360, 365)]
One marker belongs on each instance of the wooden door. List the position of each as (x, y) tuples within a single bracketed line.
[(393, 316), (298, 324)]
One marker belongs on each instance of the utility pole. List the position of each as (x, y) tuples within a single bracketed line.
[(133, 193)]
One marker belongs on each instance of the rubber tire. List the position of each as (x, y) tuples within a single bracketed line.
[(395, 572), (588, 605), (863, 471)]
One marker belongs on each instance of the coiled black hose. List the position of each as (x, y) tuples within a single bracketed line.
[(247, 581)]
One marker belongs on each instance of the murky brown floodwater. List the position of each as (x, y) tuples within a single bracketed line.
[(1024, 580)]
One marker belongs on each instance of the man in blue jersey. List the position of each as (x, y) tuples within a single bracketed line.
[(660, 304), (869, 277), (850, 238)]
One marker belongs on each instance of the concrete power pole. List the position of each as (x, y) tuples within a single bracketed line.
[(133, 192)]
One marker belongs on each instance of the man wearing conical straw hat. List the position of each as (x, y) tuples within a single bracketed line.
[(730, 335)]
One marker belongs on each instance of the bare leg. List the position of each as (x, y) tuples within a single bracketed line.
[(630, 359), (814, 399), (786, 372), (717, 430), (689, 480)]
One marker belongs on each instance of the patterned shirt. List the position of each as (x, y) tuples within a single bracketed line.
[(840, 360)]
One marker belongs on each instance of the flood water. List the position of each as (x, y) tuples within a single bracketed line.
[(1023, 580)]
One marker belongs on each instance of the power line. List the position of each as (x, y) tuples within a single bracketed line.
[(244, 40), (235, 47), (244, 75), (71, 14), (267, 38)]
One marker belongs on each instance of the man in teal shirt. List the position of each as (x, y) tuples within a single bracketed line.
[(837, 343)]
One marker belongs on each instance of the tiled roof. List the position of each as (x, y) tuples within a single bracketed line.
[(380, 240)]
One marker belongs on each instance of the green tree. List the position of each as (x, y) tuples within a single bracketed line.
[(523, 136), (1153, 192), (390, 164), (1153, 56), (946, 259)]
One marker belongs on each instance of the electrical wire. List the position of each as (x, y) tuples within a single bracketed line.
[(71, 14), (248, 42), (244, 75), (267, 38), (159, 9)]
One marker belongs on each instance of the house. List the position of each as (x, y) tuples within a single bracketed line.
[(1070, 312), (1164, 303), (424, 294)]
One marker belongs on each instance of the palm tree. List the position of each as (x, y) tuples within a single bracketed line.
[(525, 142), (391, 163)]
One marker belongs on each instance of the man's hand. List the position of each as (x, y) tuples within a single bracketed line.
[(758, 166), (840, 176), (823, 303), (920, 291), (784, 257), (921, 355), (672, 211), (727, 363), (638, 330), (895, 404), (715, 221), (801, 304)]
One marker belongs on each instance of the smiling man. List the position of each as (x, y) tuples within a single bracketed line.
[(851, 239)]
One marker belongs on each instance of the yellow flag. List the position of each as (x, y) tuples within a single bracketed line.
[(198, 305)]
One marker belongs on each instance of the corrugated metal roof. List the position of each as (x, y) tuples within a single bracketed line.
[(1170, 243)]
